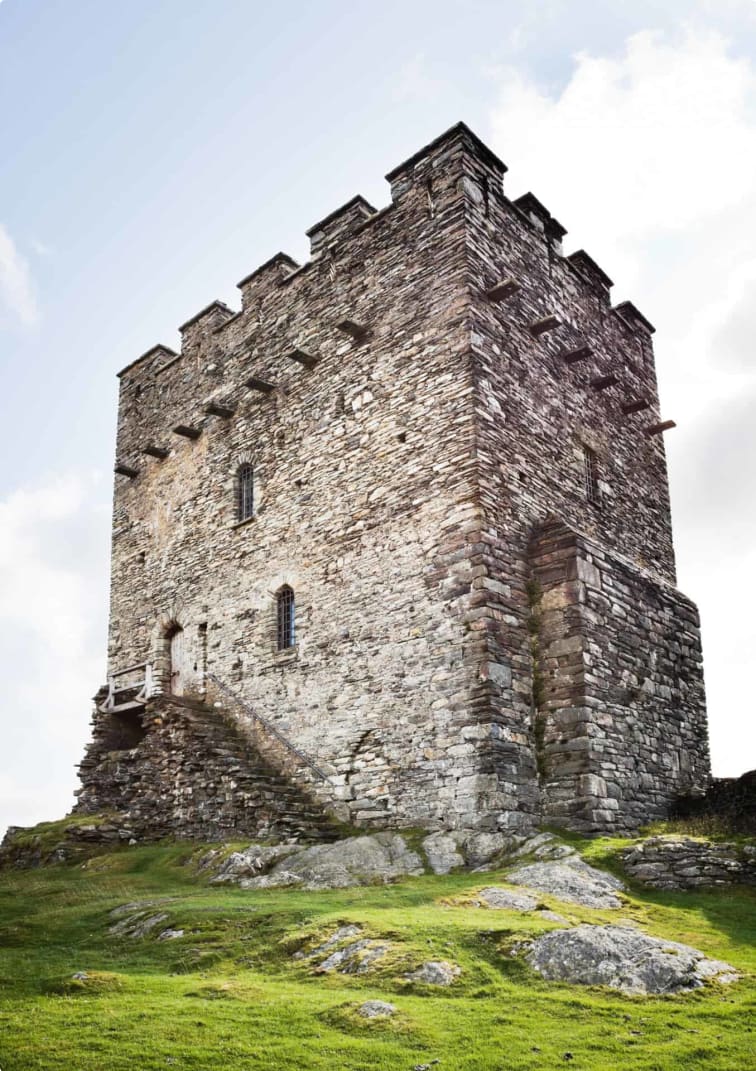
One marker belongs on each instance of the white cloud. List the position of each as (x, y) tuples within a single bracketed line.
[(53, 582), (17, 299), (656, 140), (649, 157)]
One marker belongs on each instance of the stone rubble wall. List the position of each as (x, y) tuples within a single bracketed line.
[(194, 775), (729, 801), (686, 863)]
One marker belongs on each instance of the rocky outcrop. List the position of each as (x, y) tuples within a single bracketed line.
[(673, 862), (435, 972), (505, 900), (622, 957), (376, 858), (376, 1009), (572, 880)]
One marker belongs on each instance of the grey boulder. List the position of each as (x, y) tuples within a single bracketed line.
[(376, 1009), (505, 899), (623, 958), (442, 852), (379, 857), (254, 860), (435, 972), (572, 880)]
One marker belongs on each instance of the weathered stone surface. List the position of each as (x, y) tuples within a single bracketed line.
[(572, 880), (435, 972), (506, 900), (623, 958), (251, 862), (678, 862), (170, 934), (376, 1009), (140, 924), (378, 857), (480, 849), (407, 436), (442, 852), (355, 958), (339, 935), (544, 846)]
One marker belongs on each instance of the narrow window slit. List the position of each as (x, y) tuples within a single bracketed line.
[(245, 492), (285, 618), (590, 470)]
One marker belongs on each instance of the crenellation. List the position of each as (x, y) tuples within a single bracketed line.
[(336, 226), (594, 276), (633, 317), (397, 432)]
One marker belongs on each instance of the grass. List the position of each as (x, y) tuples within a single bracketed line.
[(230, 995)]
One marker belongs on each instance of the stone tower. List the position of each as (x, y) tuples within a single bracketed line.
[(401, 527)]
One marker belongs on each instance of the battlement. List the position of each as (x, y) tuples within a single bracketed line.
[(453, 168)]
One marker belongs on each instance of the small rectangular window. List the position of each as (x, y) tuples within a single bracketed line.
[(590, 469)]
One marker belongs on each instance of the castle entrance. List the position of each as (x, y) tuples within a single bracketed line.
[(178, 668)]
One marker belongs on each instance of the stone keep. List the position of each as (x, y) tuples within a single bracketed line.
[(459, 471)]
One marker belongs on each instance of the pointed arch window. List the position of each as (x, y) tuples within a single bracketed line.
[(245, 492), (285, 618)]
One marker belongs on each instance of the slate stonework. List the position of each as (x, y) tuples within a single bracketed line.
[(401, 467)]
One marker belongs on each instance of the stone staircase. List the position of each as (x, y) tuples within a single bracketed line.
[(194, 773)]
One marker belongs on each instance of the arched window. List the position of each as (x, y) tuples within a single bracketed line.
[(285, 617), (245, 492)]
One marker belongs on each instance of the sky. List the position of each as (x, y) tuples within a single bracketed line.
[(154, 153)]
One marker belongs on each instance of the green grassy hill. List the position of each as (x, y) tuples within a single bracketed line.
[(231, 994)]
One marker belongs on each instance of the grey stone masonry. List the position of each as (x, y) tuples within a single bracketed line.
[(380, 431)]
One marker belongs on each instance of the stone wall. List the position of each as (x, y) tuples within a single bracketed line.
[(188, 771), (408, 429), (620, 698), (728, 801), (672, 862), (365, 488)]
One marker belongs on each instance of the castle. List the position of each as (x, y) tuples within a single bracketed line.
[(393, 541)]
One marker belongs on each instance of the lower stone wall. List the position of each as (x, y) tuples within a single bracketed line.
[(189, 773), (620, 718), (730, 801), (686, 863)]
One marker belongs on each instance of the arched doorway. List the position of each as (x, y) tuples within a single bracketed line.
[(177, 661)]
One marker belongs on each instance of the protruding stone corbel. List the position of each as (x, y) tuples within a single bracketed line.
[(216, 409), (659, 429), (187, 431), (126, 470), (356, 331), (309, 360), (159, 452), (582, 353), (261, 385), (540, 327), (602, 382), (635, 405), (503, 290)]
